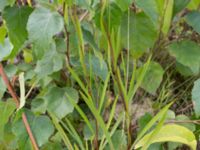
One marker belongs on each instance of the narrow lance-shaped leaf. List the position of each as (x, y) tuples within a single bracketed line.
[(167, 16)]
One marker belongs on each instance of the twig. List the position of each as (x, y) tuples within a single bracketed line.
[(183, 121), (16, 99), (83, 16)]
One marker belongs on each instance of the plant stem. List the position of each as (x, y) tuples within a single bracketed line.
[(117, 77), (15, 98)]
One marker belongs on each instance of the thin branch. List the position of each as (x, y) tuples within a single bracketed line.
[(16, 99)]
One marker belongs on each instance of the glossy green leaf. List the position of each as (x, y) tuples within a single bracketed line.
[(171, 133), (57, 101), (153, 77), (5, 49), (196, 97), (186, 53), (7, 108), (41, 126), (42, 25), (16, 20), (142, 33), (193, 19)]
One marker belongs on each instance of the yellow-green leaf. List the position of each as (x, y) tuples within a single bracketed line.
[(171, 133)]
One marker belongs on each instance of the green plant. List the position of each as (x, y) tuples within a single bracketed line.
[(99, 74)]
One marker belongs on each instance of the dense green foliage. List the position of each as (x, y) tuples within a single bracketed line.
[(101, 74)]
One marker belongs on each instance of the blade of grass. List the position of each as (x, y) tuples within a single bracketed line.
[(111, 117), (98, 118), (133, 87), (62, 133), (104, 92), (114, 128), (157, 129), (151, 123), (74, 133), (81, 113)]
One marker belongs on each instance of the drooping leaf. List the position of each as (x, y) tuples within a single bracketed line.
[(42, 25), (171, 133), (16, 20), (57, 101), (193, 19), (5, 49), (142, 33), (196, 97), (186, 53), (41, 127), (7, 108), (150, 8), (153, 77)]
